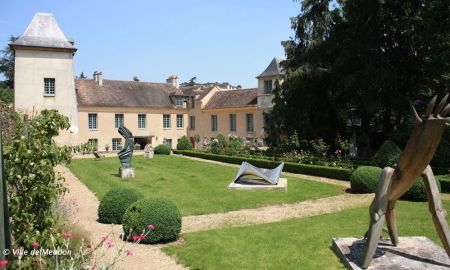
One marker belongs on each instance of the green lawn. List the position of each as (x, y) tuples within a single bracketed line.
[(196, 187), (293, 244)]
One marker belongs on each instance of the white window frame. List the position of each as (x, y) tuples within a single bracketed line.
[(142, 121), (268, 86), (180, 121), (49, 87), (166, 121), (116, 144), (233, 126), (178, 101), (117, 118), (249, 122), (92, 122)]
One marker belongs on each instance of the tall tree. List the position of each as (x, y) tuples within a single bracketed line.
[(7, 63), (365, 57)]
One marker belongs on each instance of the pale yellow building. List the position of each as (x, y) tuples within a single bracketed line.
[(155, 113)]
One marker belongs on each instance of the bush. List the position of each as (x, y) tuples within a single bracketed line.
[(115, 203), (184, 144), (387, 155), (365, 179), (162, 149), (324, 171), (444, 180), (160, 212)]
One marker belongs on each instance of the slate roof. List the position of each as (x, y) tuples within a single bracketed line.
[(233, 99), (273, 69), (44, 32), (115, 93)]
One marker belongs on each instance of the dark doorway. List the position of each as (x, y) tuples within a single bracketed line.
[(193, 141), (142, 141)]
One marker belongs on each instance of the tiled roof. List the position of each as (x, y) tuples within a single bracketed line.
[(198, 92), (233, 99), (115, 93), (273, 69), (43, 31)]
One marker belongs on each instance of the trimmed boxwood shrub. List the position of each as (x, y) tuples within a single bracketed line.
[(387, 155), (365, 179), (160, 212), (184, 144), (162, 149), (323, 171), (114, 204)]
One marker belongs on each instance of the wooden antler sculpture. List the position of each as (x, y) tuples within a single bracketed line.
[(394, 182)]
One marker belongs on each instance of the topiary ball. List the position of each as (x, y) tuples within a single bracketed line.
[(418, 191), (160, 212), (365, 179), (387, 155), (114, 204), (184, 144), (162, 149)]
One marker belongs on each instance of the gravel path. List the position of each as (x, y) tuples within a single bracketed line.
[(85, 215)]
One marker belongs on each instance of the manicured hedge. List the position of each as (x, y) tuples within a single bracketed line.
[(323, 171), (365, 179), (115, 202), (162, 149), (162, 213)]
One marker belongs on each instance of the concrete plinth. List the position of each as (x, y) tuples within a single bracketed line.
[(258, 185), (126, 173), (417, 252)]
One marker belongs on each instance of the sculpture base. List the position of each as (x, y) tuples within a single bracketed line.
[(282, 184), (126, 173), (417, 252)]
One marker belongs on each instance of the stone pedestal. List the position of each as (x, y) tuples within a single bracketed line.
[(282, 185), (417, 252), (148, 154), (126, 173)]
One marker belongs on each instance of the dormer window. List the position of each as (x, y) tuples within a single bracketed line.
[(178, 101), (267, 86)]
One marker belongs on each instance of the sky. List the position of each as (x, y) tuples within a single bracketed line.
[(225, 41)]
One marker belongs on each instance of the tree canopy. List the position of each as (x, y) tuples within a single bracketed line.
[(365, 59), (7, 63)]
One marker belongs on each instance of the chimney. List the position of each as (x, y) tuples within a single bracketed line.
[(173, 80), (98, 78)]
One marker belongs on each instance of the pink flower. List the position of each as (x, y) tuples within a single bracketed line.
[(66, 234), (141, 237), (104, 238), (35, 244), (135, 238), (129, 253), (3, 263), (109, 244), (151, 227)]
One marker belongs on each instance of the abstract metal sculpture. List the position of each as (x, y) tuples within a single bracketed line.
[(394, 182), (126, 153), (270, 176)]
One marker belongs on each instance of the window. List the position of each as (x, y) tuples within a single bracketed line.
[(49, 86), (213, 122), (232, 122), (192, 102), (116, 142), (267, 86), (142, 121), (178, 101), (168, 142), (93, 143), (192, 122), (166, 121), (180, 121), (249, 117), (92, 121), (118, 120)]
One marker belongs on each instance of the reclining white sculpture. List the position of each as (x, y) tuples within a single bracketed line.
[(270, 176)]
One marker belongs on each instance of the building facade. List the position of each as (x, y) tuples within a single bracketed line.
[(156, 113)]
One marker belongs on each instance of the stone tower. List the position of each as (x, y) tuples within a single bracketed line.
[(266, 83), (43, 72)]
